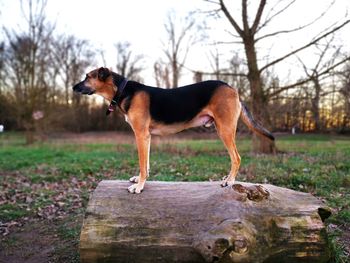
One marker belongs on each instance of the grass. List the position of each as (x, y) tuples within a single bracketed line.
[(318, 164)]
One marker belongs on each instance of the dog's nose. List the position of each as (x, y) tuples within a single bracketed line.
[(77, 87)]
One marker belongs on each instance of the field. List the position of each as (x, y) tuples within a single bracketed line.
[(45, 187)]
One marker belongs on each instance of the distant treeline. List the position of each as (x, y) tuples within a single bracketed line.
[(39, 66)]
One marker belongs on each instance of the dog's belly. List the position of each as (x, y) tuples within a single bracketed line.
[(164, 129), (202, 120)]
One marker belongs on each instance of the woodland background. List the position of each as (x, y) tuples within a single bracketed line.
[(39, 65)]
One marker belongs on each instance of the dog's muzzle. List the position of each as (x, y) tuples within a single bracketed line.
[(80, 87)]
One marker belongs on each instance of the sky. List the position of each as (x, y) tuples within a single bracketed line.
[(141, 22)]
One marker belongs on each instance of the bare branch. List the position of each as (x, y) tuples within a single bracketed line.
[(258, 16), (323, 53), (214, 73), (233, 35), (178, 47), (268, 19), (212, 2), (281, 32), (301, 82), (223, 74), (294, 29), (230, 18), (245, 17), (213, 13), (305, 46), (227, 42), (183, 34), (304, 66)]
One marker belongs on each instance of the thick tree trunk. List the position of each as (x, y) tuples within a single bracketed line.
[(258, 98), (202, 222)]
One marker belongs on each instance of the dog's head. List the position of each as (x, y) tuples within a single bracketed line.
[(99, 81)]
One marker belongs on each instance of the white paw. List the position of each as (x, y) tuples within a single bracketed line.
[(134, 179), (227, 181), (135, 188)]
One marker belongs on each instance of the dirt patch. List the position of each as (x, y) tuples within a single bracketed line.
[(32, 243), (41, 241)]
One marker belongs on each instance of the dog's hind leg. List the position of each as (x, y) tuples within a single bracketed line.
[(227, 135), (226, 111)]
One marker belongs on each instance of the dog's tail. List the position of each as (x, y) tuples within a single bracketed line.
[(253, 125)]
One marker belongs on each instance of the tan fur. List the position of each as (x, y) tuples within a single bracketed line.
[(105, 89), (139, 119), (226, 109)]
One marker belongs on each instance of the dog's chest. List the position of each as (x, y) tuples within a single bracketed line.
[(127, 120)]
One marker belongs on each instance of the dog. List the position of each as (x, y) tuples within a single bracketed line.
[(156, 111)]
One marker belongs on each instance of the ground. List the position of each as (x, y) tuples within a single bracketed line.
[(44, 188)]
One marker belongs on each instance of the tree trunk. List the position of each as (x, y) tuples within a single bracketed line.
[(258, 98), (202, 222), (315, 104), (175, 71)]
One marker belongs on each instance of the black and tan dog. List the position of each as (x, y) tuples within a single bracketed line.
[(151, 110)]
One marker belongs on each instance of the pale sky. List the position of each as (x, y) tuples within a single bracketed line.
[(141, 22)]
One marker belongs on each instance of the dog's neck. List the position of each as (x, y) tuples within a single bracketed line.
[(108, 93), (120, 83)]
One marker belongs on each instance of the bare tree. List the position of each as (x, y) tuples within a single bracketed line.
[(2, 66), (230, 70), (161, 74), (345, 92), (327, 54), (179, 41), (71, 58), (128, 64), (249, 33), (5, 99), (27, 59), (215, 62)]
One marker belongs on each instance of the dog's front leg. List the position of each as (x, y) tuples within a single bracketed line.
[(143, 141)]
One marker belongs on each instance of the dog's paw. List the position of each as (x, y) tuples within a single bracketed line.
[(223, 183), (134, 179), (227, 181), (135, 188)]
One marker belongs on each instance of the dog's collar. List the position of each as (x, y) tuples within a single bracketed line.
[(115, 101)]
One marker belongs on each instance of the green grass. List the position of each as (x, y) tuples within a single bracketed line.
[(318, 164)]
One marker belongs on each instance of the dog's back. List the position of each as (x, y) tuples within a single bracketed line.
[(181, 104), (178, 105)]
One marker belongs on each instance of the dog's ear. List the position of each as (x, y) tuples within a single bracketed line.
[(103, 74)]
